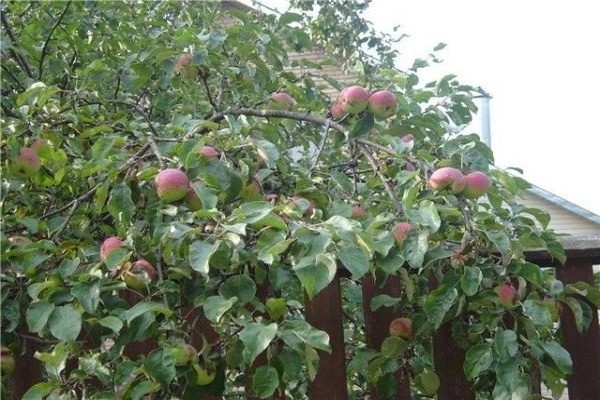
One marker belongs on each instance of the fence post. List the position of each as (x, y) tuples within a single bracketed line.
[(377, 326), (584, 382), (324, 312)]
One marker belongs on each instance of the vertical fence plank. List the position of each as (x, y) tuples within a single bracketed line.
[(449, 359), (377, 326), (28, 370), (584, 382), (324, 312)]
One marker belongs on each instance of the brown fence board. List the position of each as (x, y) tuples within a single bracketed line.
[(584, 382), (377, 326), (324, 312)]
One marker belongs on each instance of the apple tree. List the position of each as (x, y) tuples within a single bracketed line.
[(174, 193)]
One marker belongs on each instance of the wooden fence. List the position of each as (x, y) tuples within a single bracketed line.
[(325, 312)]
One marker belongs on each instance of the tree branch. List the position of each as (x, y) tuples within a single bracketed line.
[(386, 184), (321, 146), (45, 46)]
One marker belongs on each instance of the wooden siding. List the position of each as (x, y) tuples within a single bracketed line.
[(562, 220)]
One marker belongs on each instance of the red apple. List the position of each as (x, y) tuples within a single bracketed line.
[(337, 111), (27, 163), (383, 104), (407, 138), (192, 200), (353, 99), (208, 152), (447, 177), (476, 184), (139, 275), (171, 184), (358, 212), (298, 200), (282, 101), (401, 327), (507, 294), (182, 62), (111, 243), (400, 231)]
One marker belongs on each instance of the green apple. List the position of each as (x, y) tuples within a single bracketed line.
[(7, 361), (205, 374)]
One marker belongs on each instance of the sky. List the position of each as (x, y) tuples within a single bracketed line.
[(536, 58)]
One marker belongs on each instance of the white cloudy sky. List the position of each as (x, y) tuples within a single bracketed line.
[(538, 59)]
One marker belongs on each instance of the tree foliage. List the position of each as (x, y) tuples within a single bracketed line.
[(110, 93)]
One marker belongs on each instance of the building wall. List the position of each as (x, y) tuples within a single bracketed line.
[(562, 220)]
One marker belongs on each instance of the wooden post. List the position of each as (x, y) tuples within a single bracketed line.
[(584, 382), (324, 312), (449, 359), (377, 326)]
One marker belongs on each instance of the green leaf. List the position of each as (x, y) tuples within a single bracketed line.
[(253, 212), (502, 242), (392, 262), (240, 286), (362, 127), (393, 347), (559, 355), (477, 360), (294, 332), (160, 365), (507, 374), (576, 308), (256, 338), (586, 290), (470, 280), (120, 205), (438, 302), (537, 312), (415, 247), (427, 215), (383, 300), (265, 381), (37, 315), (289, 17), (111, 322), (505, 344), (316, 273), (216, 306), (268, 152), (65, 323), (88, 294), (145, 307), (354, 258), (40, 391), (199, 256)]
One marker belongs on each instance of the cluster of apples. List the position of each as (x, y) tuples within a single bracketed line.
[(136, 275), (472, 185), (355, 99)]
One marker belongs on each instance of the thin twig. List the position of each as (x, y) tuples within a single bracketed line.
[(208, 94), (64, 224), (321, 146), (386, 184), (376, 146), (17, 56), (156, 152), (45, 46), (13, 77)]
